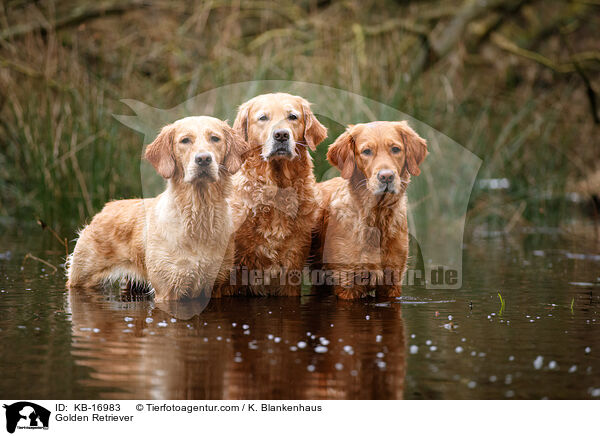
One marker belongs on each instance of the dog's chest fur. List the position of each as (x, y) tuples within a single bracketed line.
[(276, 219), (192, 239)]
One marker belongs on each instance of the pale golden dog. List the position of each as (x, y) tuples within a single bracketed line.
[(177, 242), (362, 230), (274, 201)]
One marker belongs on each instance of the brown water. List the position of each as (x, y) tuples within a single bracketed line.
[(428, 344)]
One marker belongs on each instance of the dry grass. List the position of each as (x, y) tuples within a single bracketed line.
[(63, 155)]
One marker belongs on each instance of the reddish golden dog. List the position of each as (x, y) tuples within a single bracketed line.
[(362, 230), (274, 201), (177, 242)]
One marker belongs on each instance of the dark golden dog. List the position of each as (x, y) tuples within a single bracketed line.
[(362, 230)]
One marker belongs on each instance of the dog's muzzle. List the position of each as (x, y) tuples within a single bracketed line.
[(280, 149), (386, 182), (204, 166)]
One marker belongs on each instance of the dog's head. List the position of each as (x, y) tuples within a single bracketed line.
[(196, 150), (279, 125), (381, 153)]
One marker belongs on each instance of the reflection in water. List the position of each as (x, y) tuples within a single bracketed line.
[(447, 344), (267, 348)]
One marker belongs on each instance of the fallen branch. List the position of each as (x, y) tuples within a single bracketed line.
[(569, 66), (76, 16), (63, 241), (31, 256)]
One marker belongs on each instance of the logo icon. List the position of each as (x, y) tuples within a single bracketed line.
[(26, 415)]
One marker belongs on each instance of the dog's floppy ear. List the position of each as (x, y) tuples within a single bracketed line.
[(237, 148), (240, 125), (416, 147), (314, 131), (341, 154), (160, 153)]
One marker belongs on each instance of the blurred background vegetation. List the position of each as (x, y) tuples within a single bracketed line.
[(514, 81)]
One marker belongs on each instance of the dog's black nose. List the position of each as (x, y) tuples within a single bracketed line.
[(203, 159), (385, 176), (281, 135)]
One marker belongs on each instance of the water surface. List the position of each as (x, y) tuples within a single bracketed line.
[(544, 343)]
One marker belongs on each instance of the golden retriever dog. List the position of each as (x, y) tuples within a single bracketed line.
[(362, 231), (274, 201), (178, 242)]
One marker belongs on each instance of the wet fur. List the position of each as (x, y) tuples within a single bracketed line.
[(360, 235), (178, 242), (274, 201)]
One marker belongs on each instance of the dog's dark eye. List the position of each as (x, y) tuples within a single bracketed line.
[(263, 118), (367, 152), (214, 138), (396, 150), (292, 117), (186, 140)]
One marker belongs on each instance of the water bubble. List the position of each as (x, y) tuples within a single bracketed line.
[(381, 365), (293, 348), (348, 349), (588, 350), (310, 368), (511, 358), (414, 349), (552, 365), (237, 359), (277, 339), (323, 341), (450, 317), (380, 355), (173, 320), (320, 349), (128, 319), (413, 336), (367, 317), (245, 326), (572, 369), (538, 362), (493, 378), (378, 338), (509, 394), (162, 324), (433, 348), (459, 349), (301, 344), (270, 337), (233, 324), (472, 384), (428, 342), (339, 366), (149, 320)]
